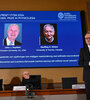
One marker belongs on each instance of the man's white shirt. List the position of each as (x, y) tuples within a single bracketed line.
[(9, 42), (89, 52)]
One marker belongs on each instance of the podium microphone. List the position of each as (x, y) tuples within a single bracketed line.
[(28, 93)]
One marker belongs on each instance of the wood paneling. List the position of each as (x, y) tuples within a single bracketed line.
[(43, 92)]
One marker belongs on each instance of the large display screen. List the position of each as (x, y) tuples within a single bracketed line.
[(40, 38)]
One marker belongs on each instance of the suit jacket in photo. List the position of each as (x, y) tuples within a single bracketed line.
[(16, 42), (44, 42)]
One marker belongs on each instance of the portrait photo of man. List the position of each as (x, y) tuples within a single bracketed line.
[(48, 34), (12, 31)]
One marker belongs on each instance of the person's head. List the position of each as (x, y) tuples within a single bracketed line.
[(87, 38), (26, 75), (49, 32), (13, 31)]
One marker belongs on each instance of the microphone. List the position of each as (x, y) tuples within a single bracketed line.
[(28, 93)]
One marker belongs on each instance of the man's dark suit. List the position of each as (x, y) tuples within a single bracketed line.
[(34, 82), (84, 59), (16, 42), (44, 42)]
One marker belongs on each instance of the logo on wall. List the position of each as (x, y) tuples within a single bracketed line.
[(60, 15), (67, 16)]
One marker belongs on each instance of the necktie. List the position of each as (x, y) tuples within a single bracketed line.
[(11, 43)]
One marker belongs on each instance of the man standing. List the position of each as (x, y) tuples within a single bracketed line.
[(12, 32), (84, 60)]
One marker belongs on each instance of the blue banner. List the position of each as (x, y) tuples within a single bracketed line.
[(40, 38)]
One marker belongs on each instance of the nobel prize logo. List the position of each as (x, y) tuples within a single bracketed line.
[(60, 15)]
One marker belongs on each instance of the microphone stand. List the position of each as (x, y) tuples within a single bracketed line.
[(28, 93)]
